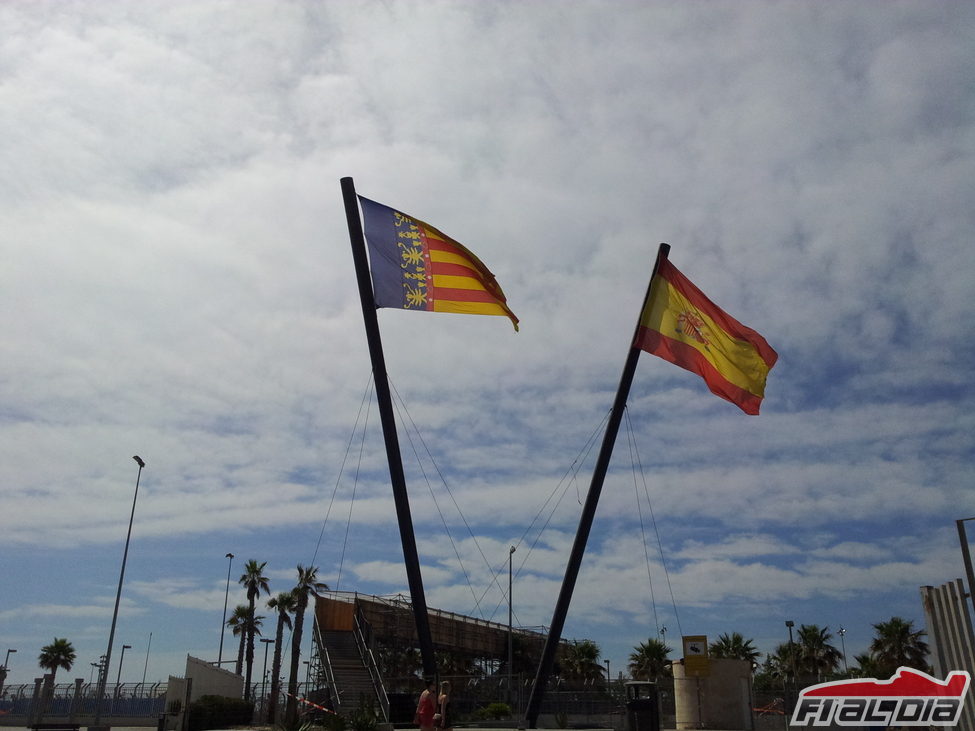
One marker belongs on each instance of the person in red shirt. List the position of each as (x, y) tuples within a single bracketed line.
[(427, 707)]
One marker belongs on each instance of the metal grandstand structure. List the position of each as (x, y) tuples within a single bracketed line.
[(351, 629)]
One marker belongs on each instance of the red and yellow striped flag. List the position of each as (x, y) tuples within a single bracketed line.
[(680, 324), (416, 267)]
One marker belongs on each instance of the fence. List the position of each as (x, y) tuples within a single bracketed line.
[(73, 700)]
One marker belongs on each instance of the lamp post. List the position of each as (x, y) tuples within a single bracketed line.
[(146, 666), (511, 553), (967, 556), (609, 687), (267, 643), (223, 622), (121, 657), (103, 673), (792, 653), (3, 671), (842, 633)]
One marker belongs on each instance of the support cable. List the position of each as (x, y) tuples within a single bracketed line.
[(397, 403), (355, 485), (643, 532), (663, 561), (366, 398), (573, 470)]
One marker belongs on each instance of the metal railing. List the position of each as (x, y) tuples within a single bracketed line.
[(78, 699), (326, 664), (359, 623)]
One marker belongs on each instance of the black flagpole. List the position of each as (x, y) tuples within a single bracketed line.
[(588, 512), (393, 456)]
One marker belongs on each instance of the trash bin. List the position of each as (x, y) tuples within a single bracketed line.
[(642, 706)]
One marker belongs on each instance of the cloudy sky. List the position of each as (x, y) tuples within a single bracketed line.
[(177, 283)]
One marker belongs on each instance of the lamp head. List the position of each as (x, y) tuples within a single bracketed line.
[(789, 623), (138, 461), (229, 555)]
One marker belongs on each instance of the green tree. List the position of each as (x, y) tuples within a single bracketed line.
[(308, 584), (580, 662), (284, 605), (254, 580), (648, 661), (868, 667), (398, 662), (450, 663), (896, 643), (59, 654), (734, 647), (237, 621), (815, 656)]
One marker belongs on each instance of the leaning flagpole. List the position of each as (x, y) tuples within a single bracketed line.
[(588, 512), (393, 456)]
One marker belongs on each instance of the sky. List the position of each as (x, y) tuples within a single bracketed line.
[(177, 283)]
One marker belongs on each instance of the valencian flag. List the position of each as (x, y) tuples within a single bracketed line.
[(416, 267), (680, 324)]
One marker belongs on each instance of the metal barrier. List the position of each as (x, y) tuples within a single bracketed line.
[(22, 703)]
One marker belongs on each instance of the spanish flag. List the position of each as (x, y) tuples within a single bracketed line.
[(416, 267), (680, 324)]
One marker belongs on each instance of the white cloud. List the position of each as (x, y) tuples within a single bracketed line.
[(179, 286)]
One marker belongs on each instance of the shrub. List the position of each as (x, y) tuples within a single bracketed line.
[(493, 711), (365, 717), (215, 711)]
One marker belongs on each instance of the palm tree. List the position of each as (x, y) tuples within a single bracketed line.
[(254, 580), (284, 605), (648, 661), (580, 661), (868, 667), (897, 643), (782, 662), (815, 656), (734, 647), (59, 654), (237, 622), (307, 585)]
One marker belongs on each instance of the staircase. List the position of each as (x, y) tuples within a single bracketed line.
[(352, 679)]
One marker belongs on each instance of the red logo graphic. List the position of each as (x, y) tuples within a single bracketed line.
[(910, 698)]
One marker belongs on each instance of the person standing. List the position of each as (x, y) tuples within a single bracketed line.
[(426, 709), (443, 723)]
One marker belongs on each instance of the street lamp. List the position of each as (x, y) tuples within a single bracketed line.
[(121, 657), (223, 622), (511, 553), (967, 556), (792, 652), (103, 674), (842, 633), (146, 666), (609, 686), (3, 671), (267, 643)]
